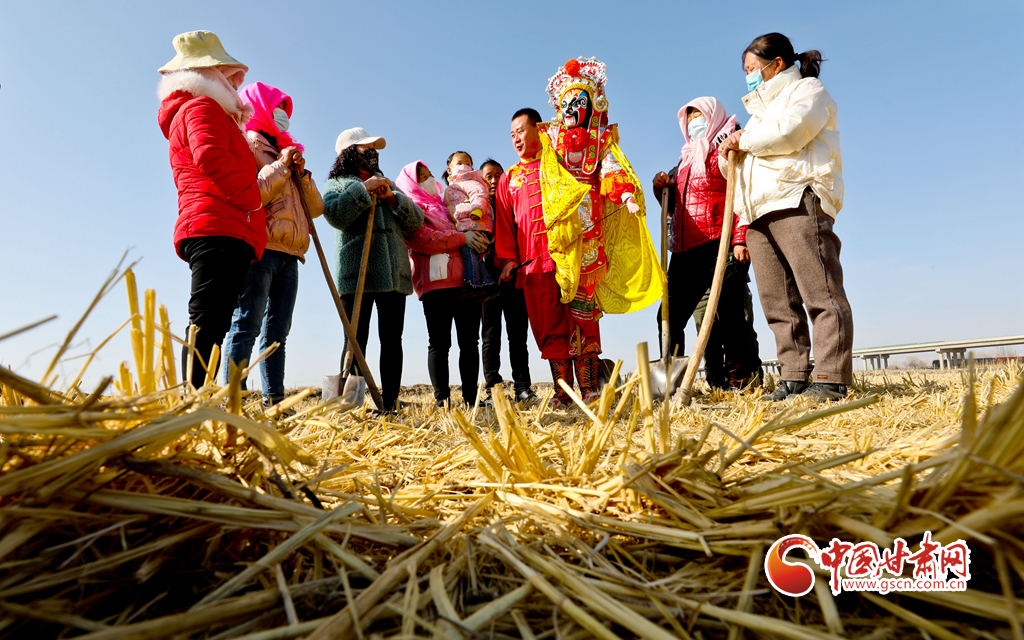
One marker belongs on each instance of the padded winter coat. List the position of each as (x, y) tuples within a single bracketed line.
[(347, 205), (287, 229), (437, 236), (700, 219), (213, 166), (791, 143)]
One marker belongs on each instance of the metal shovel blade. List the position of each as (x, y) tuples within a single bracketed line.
[(352, 395), (664, 385), (329, 388)]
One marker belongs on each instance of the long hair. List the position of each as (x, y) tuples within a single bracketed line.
[(775, 45), (347, 163)]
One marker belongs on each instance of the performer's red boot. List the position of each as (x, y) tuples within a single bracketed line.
[(586, 374), (561, 369)]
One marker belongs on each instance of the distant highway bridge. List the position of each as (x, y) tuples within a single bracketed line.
[(951, 354)]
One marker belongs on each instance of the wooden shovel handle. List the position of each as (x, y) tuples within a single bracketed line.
[(716, 283), (353, 339), (361, 281), (666, 338)]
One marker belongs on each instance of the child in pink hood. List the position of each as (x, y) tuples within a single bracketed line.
[(467, 200), (470, 207)]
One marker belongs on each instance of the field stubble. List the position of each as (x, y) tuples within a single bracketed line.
[(138, 511)]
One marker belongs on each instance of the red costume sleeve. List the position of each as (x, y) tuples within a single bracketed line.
[(505, 241)]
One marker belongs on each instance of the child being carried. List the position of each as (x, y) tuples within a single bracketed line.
[(469, 206)]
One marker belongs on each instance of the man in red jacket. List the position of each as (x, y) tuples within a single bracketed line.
[(521, 247), (221, 227)]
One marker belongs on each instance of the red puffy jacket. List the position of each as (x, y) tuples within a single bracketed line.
[(214, 170), (700, 219)]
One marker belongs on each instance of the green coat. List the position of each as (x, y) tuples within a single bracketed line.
[(346, 207)]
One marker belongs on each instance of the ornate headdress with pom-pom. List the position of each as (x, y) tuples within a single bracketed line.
[(580, 73)]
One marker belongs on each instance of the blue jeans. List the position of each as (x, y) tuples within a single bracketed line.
[(267, 301), (477, 274)]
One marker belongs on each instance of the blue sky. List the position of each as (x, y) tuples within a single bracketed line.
[(928, 95)]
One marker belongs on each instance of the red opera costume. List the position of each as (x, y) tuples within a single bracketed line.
[(522, 237), (573, 217)]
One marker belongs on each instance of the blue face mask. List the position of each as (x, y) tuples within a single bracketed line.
[(697, 127), (754, 78)]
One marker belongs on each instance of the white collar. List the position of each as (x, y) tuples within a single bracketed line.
[(758, 99)]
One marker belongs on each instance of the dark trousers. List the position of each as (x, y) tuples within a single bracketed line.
[(441, 307), (219, 265), (731, 357), (689, 276), (390, 325), (510, 303), (795, 255)]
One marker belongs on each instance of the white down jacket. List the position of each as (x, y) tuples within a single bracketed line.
[(791, 142)]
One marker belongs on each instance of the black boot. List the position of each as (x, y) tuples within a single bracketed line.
[(786, 389), (820, 391)]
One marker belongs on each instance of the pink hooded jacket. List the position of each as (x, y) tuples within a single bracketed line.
[(467, 193), (264, 99), (438, 235), (287, 228)]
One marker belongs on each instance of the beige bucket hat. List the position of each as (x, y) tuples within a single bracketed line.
[(358, 135), (199, 49)]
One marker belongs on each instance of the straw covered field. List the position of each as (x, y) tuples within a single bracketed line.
[(133, 510)]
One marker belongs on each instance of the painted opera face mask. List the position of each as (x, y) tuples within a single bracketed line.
[(576, 108)]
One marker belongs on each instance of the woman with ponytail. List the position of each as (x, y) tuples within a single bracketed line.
[(789, 191)]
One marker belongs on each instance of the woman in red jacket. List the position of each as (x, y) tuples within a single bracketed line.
[(697, 203), (437, 278), (221, 227)]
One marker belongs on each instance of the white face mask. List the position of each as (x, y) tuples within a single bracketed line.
[(430, 186), (697, 128), (281, 120)]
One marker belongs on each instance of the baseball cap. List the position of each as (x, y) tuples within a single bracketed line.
[(358, 135)]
